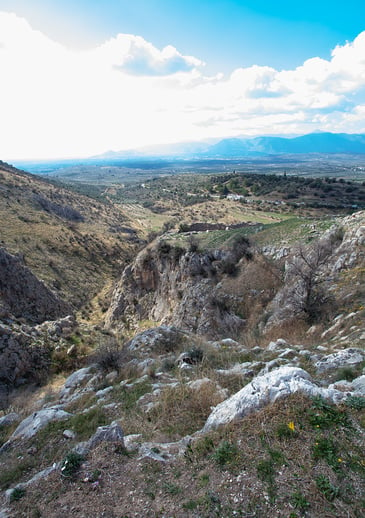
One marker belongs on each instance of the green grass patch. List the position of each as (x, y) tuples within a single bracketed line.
[(323, 414), (355, 402), (171, 489), (129, 396), (11, 474), (84, 425), (326, 449), (299, 501), (190, 505), (226, 453), (328, 490)]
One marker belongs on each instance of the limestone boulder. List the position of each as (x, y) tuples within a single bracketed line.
[(76, 380), (346, 358), (358, 385), (9, 419), (38, 420), (158, 339), (112, 433), (266, 389)]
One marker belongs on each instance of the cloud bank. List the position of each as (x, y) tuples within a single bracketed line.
[(126, 93)]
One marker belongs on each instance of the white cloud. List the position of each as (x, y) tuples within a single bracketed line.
[(126, 93)]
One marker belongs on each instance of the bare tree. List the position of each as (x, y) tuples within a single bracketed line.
[(307, 272)]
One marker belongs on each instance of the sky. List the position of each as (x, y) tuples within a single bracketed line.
[(80, 77)]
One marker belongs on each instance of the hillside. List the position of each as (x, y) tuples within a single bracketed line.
[(72, 242), (228, 381)]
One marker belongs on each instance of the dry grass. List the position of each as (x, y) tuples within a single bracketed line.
[(183, 410), (65, 254), (249, 468)]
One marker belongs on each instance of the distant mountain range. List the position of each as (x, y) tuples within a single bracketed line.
[(312, 143), (322, 143)]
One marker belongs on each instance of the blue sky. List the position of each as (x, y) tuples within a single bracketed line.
[(134, 73), (224, 33)]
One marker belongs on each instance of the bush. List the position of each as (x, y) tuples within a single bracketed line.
[(71, 463), (226, 453), (241, 248), (307, 271), (163, 248), (17, 494), (228, 266), (109, 355)]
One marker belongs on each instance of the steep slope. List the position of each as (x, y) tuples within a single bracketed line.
[(228, 292), (168, 284), (175, 424), (24, 296), (313, 285), (73, 243)]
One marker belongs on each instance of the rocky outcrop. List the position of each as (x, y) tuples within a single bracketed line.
[(160, 339), (25, 350), (266, 389), (35, 422), (25, 296), (346, 358), (112, 433), (311, 272), (21, 358), (175, 287), (76, 380)]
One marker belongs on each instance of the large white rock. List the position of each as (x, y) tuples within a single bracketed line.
[(265, 389), (33, 423), (346, 358), (75, 380), (110, 433), (358, 385), (9, 419)]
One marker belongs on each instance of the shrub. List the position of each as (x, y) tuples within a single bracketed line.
[(228, 266), (241, 248), (109, 355), (355, 402), (309, 296), (193, 244), (71, 464), (164, 248), (195, 355), (17, 494), (226, 453)]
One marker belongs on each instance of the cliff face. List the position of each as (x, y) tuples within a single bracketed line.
[(213, 293), (176, 287), (23, 295), (322, 275)]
